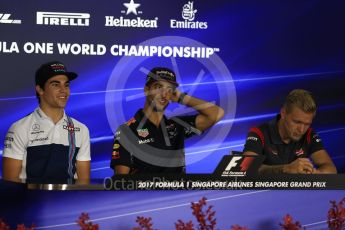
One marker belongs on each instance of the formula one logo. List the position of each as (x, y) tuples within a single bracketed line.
[(232, 168), (131, 8), (5, 19), (239, 165), (63, 19), (188, 14)]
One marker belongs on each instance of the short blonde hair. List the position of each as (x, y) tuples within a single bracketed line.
[(302, 99)]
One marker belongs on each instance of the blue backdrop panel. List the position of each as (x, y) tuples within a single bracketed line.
[(260, 51)]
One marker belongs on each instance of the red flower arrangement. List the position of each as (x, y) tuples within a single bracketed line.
[(23, 227), (144, 223), (180, 225), (336, 215), (205, 217), (289, 224), (238, 227), (85, 223), (3, 225)]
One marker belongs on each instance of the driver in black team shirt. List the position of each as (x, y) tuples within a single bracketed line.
[(288, 142), (152, 143)]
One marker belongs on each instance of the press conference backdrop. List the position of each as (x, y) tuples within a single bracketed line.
[(242, 55)]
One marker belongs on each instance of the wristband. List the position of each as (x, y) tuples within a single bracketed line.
[(181, 97)]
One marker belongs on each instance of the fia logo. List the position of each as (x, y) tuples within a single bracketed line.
[(188, 12)]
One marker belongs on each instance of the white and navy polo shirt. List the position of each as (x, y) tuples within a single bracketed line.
[(47, 150)]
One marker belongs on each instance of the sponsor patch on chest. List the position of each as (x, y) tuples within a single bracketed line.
[(143, 132), (299, 152)]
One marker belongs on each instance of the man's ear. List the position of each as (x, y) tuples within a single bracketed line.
[(39, 90)]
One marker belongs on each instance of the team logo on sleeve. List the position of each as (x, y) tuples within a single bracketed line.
[(115, 155), (317, 138), (131, 121), (117, 135), (10, 139), (8, 142)]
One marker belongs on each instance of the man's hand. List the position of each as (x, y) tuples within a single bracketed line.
[(176, 95), (316, 171), (121, 169), (323, 162), (299, 166)]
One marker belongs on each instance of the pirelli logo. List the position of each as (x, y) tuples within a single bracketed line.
[(63, 19), (5, 19)]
